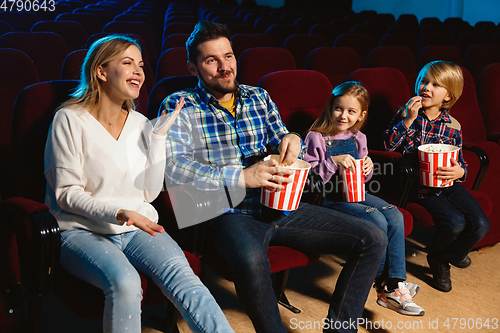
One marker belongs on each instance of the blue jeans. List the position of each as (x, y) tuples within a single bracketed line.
[(243, 240), (460, 222), (388, 218), (112, 263)]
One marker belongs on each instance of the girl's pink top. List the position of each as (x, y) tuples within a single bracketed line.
[(316, 152)]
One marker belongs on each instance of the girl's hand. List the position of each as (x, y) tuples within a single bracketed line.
[(164, 123), (411, 110), (367, 165), (133, 218), (346, 160), (450, 173)]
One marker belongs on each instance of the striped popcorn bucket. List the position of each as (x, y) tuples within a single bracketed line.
[(289, 197), (353, 183), (431, 157)]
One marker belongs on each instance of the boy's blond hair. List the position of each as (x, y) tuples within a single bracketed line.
[(447, 75)]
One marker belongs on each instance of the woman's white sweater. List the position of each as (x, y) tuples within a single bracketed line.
[(91, 176)]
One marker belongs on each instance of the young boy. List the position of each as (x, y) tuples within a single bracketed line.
[(460, 221)]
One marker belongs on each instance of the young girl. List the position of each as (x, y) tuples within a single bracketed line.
[(334, 139), (104, 164), (460, 221)]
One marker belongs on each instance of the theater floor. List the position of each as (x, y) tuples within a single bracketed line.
[(472, 305)]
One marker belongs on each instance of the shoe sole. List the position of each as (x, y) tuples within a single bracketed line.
[(390, 306)]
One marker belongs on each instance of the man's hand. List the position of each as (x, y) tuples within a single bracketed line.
[(450, 173), (289, 149), (133, 218), (264, 173)]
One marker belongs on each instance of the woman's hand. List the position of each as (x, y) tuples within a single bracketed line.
[(450, 173), (133, 218), (367, 165), (165, 121), (346, 160)]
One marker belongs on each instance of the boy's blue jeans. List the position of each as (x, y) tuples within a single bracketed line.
[(112, 263), (243, 240), (460, 222)]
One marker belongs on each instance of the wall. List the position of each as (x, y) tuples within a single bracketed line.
[(471, 11)]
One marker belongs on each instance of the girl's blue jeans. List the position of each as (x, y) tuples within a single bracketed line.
[(113, 263), (388, 218)]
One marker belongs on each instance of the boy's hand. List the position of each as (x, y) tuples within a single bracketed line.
[(346, 160), (450, 173), (411, 110)]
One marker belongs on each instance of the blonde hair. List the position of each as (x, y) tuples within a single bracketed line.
[(447, 75), (100, 53), (325, 124)]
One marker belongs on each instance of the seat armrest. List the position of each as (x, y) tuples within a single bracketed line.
[(495, 137), (314, 190), (403, 175), (484, 163), (38, 240)]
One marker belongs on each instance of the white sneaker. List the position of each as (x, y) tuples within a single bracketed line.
[(400, 300), (412, 287)]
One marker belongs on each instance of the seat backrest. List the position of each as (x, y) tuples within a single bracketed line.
[(477, 56), (328, 31), (241, 28), (91, 22), (172, 62), (5, 27), (280, 32), (264, 22), (72, 65), (73, 33), (33, 113), (439, 52), (46, 49), (470, 38), (361, 43), (301, 44), (435, 38), (256, 62), (388, 91), (241, 42), (300, 96), (466, 111), (335, 62), (21, 72), (177, 28), (401, 39), (488, 86), (165, 87), (174, 40), (375, 31), (140, 28), (400, 57), (19, 21)]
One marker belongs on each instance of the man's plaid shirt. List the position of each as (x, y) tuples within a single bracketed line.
[(208, 148)]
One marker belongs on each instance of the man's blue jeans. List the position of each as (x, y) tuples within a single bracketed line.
[(112, 263), (243, 240), (460, 222)]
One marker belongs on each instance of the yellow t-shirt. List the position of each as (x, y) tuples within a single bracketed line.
[(230, 105)]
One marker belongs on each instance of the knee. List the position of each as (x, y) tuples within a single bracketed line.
[(483, 226), (375, 238), (126, 288)]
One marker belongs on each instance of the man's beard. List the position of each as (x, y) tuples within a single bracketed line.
[(217, 86)]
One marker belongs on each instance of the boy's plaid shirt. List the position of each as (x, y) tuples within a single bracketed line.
[(208, 148), (424, 131)]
